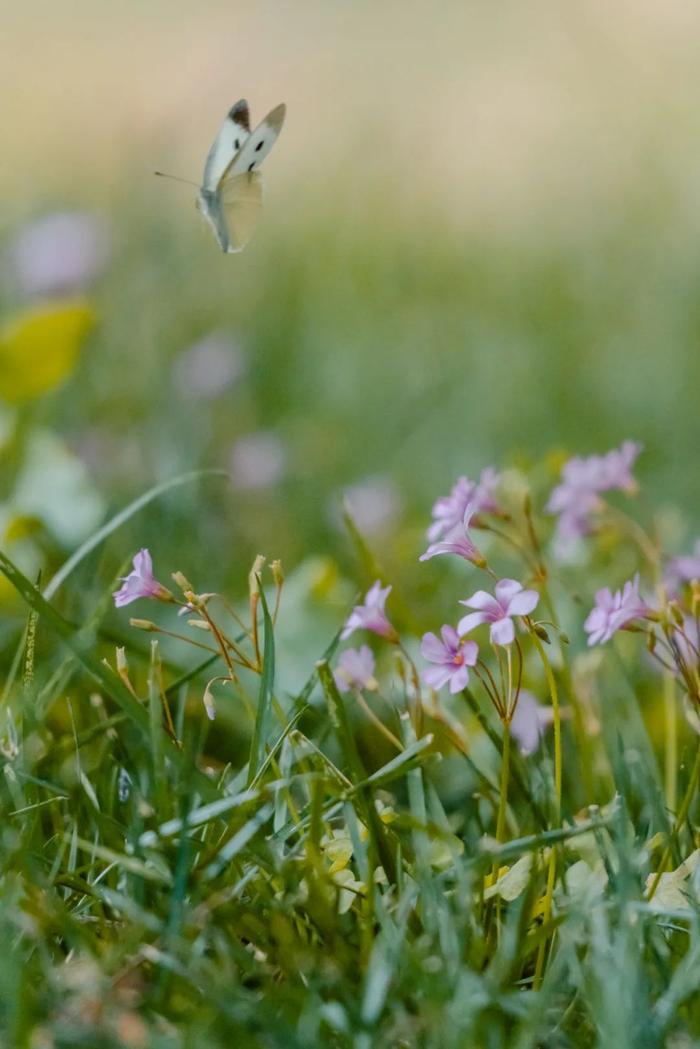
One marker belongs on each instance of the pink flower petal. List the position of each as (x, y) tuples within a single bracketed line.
[(482, 601), (470, 651), (436, 677), (470, 621), (432, 648), (506, 589), (502, 631), (523, 603), (450, 637), (459, 680)]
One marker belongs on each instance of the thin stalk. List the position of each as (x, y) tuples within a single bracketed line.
[(680, 820), (670, 742), (503, 795), (552, 866), (378, 724)]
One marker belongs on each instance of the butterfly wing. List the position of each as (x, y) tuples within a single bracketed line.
[(241, 202), (232, 136), (258, 143)]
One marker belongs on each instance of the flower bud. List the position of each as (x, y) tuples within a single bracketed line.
[(208, 701), (200, 624), (258, 565), (140, 624), (182, 582)]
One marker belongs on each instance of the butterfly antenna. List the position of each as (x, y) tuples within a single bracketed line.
[(176, 178)]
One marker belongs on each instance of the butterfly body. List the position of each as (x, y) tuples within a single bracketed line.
[(231, 194)]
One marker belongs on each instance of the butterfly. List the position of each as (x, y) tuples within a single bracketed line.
[(230, 197)]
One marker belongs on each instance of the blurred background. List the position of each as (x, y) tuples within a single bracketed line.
[(481, 244)]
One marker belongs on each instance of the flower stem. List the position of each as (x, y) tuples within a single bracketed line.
[(503, 793), (680, 820), (378, 724), (552, 867), (671, 741)]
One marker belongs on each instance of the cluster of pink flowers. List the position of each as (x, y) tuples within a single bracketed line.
[(451, 654), (452, 515), (613, 612), (577, 498)]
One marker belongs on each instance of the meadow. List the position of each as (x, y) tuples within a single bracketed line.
[(270, 799)]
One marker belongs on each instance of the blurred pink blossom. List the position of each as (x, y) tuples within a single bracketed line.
[(451, 657), (59, 253), (140, 582), (613, 612), (355, 669), (449, 511), (510, 600), (370, 615), (683, 569), (374, 504), (209, 366), (576, 498), (529, 722), (258, 460)]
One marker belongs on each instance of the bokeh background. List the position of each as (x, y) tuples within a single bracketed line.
[(481, 245)]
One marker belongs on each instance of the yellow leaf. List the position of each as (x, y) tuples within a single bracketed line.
[(515, 880), (40, 349)]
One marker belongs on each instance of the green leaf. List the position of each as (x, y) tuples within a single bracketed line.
[(267, 682), (80, 643), (118, 520)]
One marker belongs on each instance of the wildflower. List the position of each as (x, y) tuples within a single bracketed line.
[(510, 600), (529, 722), (613, 612), (451, 657), (209, 366), (577, 498), (355, 669), (373, 503), (683, 569), (449, 511), (141, 583), (59, 253), (370, 615), (457, 541), (258, 460)]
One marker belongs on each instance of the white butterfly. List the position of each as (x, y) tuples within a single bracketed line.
[(231, 194)]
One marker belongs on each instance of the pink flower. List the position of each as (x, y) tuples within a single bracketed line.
[(59, 253), (370, 615), (209, 366), (450, 510), (457, 541), (140, 583), (355, 669), (529, 722), (510, 600), (612, 612), (258, 460), (374, 503), (451, 657), (683, 569), (577, 497)]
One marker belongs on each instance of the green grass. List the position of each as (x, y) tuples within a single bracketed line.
[(284, 876), (167, 881)]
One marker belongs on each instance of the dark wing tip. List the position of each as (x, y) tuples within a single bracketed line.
[(240, 114), (275, 119)]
